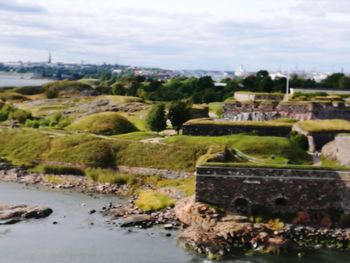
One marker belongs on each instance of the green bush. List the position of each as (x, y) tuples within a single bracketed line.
[(32, 123), (20, 115), (299, 139), (5, 112), (61, 170)]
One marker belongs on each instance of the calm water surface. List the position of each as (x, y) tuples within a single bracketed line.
[(20, 80), (74, 240)]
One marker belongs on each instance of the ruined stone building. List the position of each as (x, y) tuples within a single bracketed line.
[(262, 107)]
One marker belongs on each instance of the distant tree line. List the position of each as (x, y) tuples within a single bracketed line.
[(204, 90)]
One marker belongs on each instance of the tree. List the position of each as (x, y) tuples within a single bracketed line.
[(156, 118), (179, 113), (344, 83)]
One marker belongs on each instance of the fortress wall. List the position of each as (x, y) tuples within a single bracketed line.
[(221, 129), (277, 190)]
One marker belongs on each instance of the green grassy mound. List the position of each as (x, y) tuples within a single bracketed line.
[(106, 123), (315, 126)]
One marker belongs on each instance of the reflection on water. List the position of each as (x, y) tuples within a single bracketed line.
[(76, 240)]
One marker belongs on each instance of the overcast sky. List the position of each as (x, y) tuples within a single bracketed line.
[(180, 34)]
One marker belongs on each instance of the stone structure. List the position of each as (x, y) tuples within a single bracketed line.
[(251, 96), (280, 191), (299, 110), (339, 149)]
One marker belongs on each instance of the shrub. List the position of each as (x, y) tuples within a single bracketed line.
[(109, 176), (61, 170), (153, 201), (58, 120), (20, 115), (5, 112), (32, 123), (52, 93), (299, 139)]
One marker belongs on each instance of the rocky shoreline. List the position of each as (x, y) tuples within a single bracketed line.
[(204, 229), (215, 233), (123, 215)]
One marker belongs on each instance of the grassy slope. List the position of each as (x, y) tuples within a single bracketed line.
[(179, 153), (23, 146), (256, 146)]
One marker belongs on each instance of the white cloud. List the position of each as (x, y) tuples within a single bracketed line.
[(216, 34)]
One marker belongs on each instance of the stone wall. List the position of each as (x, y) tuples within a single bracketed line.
[(269, 110), (222, 129), (275, 190)]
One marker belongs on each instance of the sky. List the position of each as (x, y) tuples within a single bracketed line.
[(180, 34)]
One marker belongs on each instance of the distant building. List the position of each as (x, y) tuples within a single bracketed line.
[(241, 72), (49, 61)]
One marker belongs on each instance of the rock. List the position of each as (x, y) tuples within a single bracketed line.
[(54, 222), (143, 221), (168, 226), (92, 211), (15, 214)]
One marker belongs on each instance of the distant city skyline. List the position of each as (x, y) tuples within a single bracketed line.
[(192, 34)]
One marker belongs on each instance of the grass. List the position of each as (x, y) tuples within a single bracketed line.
[(137, 118), (256, 146), (32, 146), (23, 147), (12, 96), (150, 200), (54, 179), (106, 123), (315, 126), (119, 99), (240, 123), (109, 176), (136, 136)]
